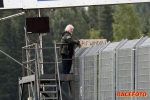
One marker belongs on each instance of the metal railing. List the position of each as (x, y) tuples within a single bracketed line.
[(57, 69)]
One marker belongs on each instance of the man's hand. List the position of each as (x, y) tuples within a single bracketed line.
[(79, 43)]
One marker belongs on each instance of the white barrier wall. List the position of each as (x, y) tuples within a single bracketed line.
[(114, 71), (142, 69)]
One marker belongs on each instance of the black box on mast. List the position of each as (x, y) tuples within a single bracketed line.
[(37, 25)]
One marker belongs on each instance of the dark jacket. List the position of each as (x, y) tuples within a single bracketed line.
[(69, 48)]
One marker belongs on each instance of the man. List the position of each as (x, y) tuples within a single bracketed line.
[(67, 51)]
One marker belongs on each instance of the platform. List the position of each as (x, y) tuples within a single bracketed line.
[(43, 77)]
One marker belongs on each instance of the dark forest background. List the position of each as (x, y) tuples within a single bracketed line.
[(112, 22)]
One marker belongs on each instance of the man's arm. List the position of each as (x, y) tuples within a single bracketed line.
[(70, 40)]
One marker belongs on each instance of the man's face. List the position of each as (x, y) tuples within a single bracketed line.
[(71, 30)]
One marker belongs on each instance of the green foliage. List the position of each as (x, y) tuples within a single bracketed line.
[(12, 40), (101, 20), (146, 26), (143, 11), (106, 20), (94, 34), (146, 30), (94, 12), (126, 23), (61, 17)]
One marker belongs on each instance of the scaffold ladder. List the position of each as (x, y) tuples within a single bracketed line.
[(49, 88)]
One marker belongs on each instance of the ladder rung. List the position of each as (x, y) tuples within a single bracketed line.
[(47, 63), (49, 98), (48, 79), (48, 85), (48, 91)]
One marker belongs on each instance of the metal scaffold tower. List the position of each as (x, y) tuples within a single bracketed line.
[(41, 86)]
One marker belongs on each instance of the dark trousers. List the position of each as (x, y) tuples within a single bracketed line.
[(66, 64)]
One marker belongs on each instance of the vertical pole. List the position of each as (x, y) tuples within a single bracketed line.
[(27, 57), (40, 45), (40, 57), (37, 71), (73, 82), (22, 63), (57, 68)]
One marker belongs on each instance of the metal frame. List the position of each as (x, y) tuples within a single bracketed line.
[(136, 63), (110, 50), (100, 64), (90, 73), (37, 79), (129, 47)]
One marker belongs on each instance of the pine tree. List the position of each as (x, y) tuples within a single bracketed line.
[(106, 20), (126, 23), (61, 17), (94, 24), (93, 12), (12, 40), (146, 29)]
